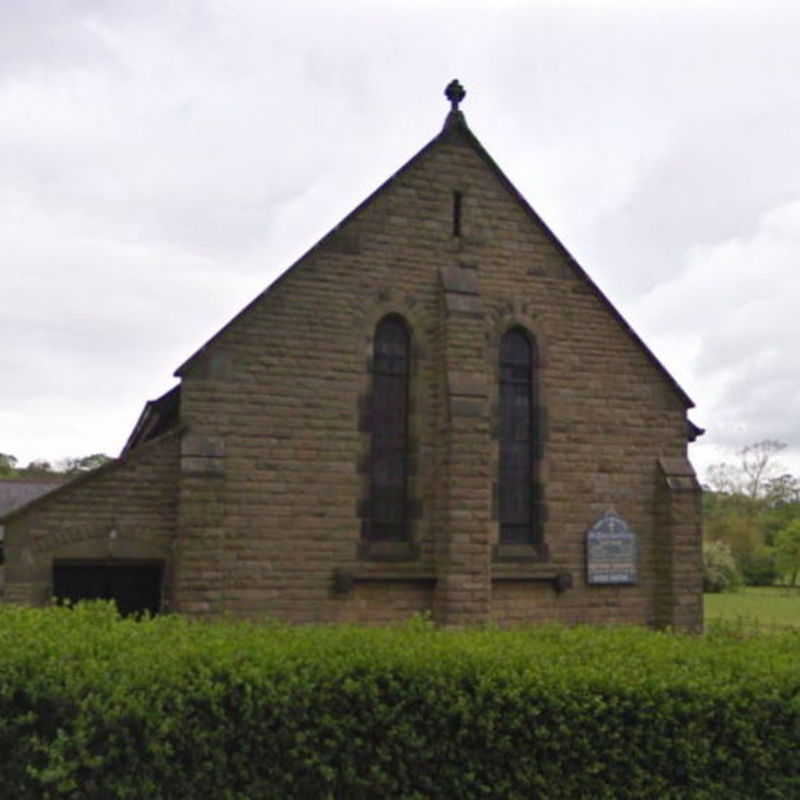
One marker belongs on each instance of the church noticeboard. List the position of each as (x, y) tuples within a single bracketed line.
[(611, 552)]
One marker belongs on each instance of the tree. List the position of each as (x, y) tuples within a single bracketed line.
[(74, 466), (755, 474), (720, 573), (782, 506), (38, 468), (759, 466), (724, 479), (787, 550), (781, 490), (42, 468), (739, 531), (747, 504), (759, 567), (8, 465)]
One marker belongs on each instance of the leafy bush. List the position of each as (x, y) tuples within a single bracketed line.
[(787, 551), (92, 706), (720, 573), (759, 568)]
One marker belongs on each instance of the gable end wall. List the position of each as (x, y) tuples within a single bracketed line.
[(283, 390)]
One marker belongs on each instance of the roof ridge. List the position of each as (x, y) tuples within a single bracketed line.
[(455, 124)]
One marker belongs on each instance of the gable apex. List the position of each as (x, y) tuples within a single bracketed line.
[(456, 129)]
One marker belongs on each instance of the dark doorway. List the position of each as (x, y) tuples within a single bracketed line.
[(134, 586)]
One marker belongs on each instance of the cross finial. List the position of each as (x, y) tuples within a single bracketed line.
[(455, 93)]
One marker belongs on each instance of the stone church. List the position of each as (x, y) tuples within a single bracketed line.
[(434, 410)]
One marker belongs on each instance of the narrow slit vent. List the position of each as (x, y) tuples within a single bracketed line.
[(457, 213)]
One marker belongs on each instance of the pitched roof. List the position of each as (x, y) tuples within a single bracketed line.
[(17, 492), (157, 417), (456, 126), (89, 475)]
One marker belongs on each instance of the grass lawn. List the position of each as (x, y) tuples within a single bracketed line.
[(756, 607)]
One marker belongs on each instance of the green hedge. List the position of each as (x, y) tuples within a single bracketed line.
[(92, 706)]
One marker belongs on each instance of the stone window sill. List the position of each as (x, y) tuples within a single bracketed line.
[(387, 551), (559, 577), (520, 553)]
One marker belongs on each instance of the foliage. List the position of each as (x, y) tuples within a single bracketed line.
[(782, 490), (758, 465), (747, 504), (96, 707), (759, 567), (37, 469), (741, 533), (41, 468), (755, 472), (75, 466), (720, 573), (774, 518), (8, 465), (787, 550)]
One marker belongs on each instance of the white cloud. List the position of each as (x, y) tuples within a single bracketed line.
[(727, 327), (163, 162)]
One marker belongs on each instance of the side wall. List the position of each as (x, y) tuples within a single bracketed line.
[(124, 510)]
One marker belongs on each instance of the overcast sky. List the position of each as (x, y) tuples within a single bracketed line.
[(161, 163)]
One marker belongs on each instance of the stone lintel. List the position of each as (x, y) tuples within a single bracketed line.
[(463, 303), (459, 280)]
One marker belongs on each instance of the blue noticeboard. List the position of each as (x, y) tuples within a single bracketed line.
[(612, 552)]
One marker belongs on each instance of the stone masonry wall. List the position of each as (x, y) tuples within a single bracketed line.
[(124, 510), (280, 395)]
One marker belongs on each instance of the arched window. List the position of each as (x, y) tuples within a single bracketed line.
[(516, 470), (389, 446)]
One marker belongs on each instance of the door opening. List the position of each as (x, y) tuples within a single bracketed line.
[(135, 586)]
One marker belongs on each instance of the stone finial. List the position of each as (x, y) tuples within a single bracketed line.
[(455, 93)]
